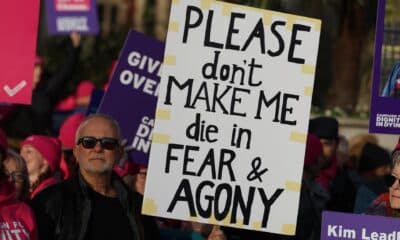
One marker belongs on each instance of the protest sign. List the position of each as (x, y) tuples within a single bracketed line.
[(18, 29), (232, 116), (385, 95), (66, 16), (337, 226), (131, 97)]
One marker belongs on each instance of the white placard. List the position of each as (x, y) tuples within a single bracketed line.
[(232, 116)]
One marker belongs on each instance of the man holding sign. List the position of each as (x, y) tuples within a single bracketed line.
[(236, 89)]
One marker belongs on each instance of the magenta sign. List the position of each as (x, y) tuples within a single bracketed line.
[(17, 47)]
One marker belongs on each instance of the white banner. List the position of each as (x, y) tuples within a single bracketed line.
[(232, 116)]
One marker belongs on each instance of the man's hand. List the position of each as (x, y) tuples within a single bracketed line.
[(75, 39), (216, 234)]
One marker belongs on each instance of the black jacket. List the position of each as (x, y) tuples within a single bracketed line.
[(63, 210)]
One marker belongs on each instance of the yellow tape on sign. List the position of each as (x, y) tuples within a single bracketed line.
[(308, 69), (308, 91), (289, 229), (175, 2), (226, 10), (193, 219), (212, 220), (298, 137), (206, 4), (227, 219), (239, 222), (173, 27), (292, 186), (267, 18), (291, 19), (149, 206), (256, 225), (170, 60), (161, 138), (317, 26), (163, 114)]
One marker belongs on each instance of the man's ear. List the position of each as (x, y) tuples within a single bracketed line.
[(75, 151)]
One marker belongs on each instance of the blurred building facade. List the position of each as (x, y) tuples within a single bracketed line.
[(343, 77), (149, 16)]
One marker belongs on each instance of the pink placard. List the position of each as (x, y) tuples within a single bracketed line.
[(72, 5), (18, 31)]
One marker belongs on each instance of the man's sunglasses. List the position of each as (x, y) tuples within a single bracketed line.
[(390, 180), (105, 143)]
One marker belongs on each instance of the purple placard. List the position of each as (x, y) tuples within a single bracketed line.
[(385, 110), (66, 16), (337, 226), (131, 97)]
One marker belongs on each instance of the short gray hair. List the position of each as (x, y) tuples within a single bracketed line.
[(18, 159), (108, 118), (395, 158)]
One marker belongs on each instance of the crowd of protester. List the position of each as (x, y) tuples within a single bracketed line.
[(69, 178)]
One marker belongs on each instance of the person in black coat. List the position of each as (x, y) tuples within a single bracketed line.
[(94, 203)]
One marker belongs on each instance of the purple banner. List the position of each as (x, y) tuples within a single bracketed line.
[(66, 16), (385, 96), (132, 94), (337, 226)]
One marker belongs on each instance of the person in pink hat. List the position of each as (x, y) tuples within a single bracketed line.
[(16, 218), (126, 169), (42, 155), (83, 94), (68, 164), (67, 104), (62, 111), (133, 174)]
